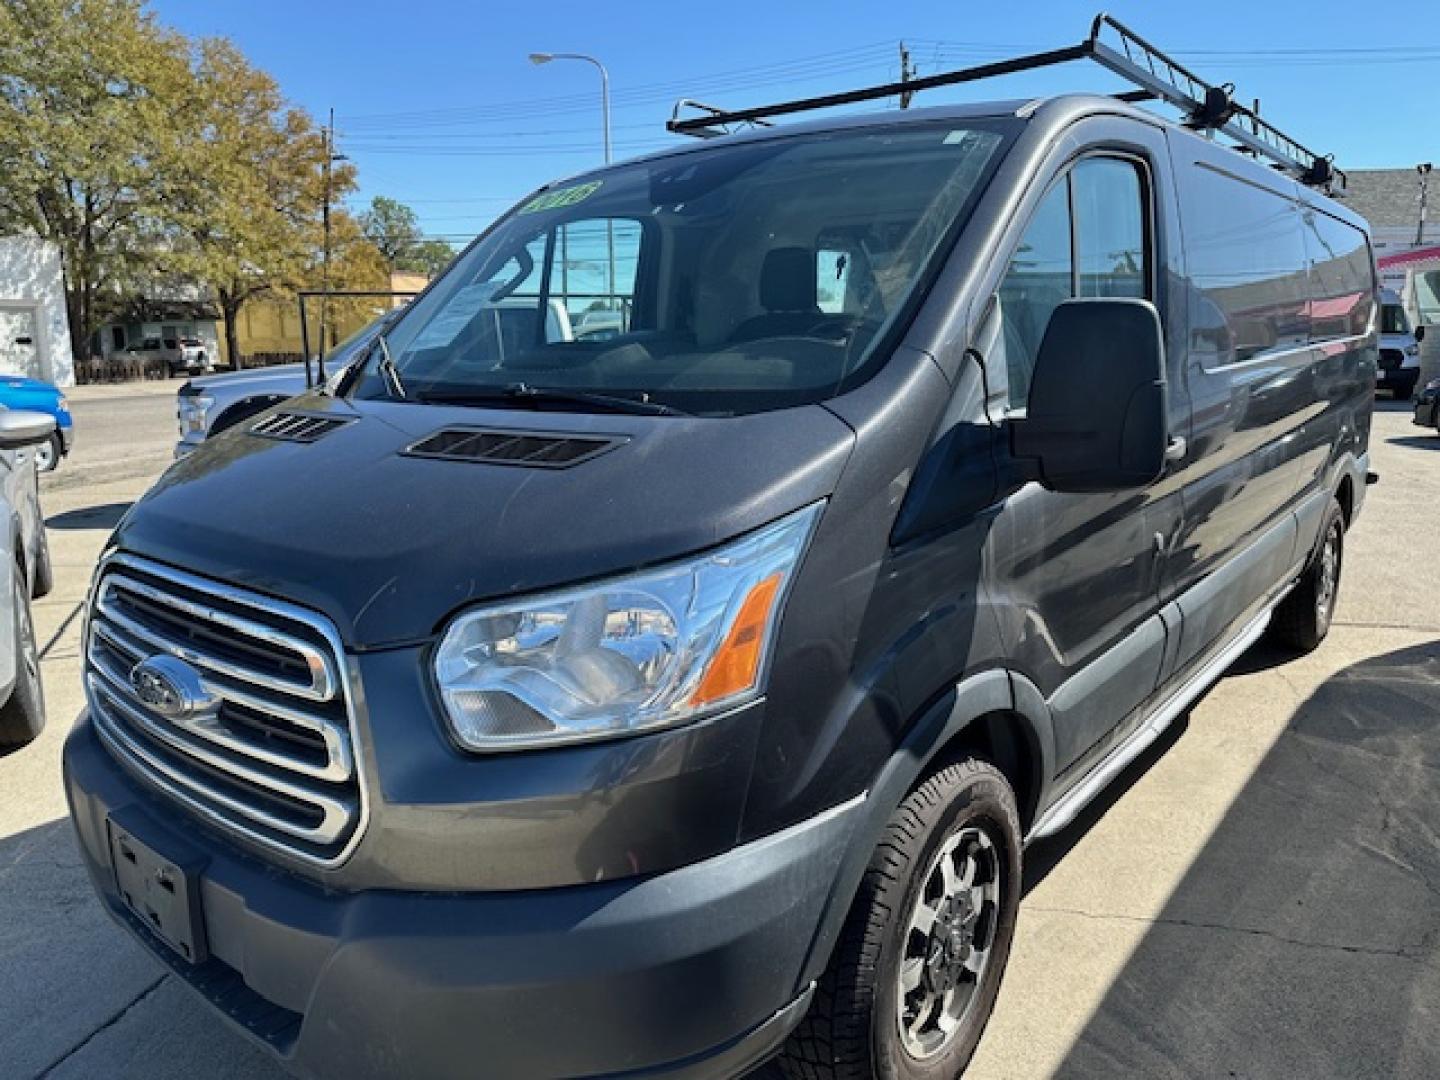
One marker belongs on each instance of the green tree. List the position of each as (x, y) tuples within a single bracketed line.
[(428, 257), (88, 144), (248, 216), (392, 227), (395, 231)]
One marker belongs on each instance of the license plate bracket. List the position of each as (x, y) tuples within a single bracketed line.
[(163, 893)]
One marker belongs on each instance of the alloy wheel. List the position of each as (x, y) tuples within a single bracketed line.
[(948, 941), (1328, 578)]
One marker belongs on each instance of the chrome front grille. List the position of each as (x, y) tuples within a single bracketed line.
[(270, 751)]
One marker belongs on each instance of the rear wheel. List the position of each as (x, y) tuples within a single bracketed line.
[(22, 717), (1303, 618), (914, 976)]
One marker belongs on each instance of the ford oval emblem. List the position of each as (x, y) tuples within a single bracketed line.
[(170, 687)]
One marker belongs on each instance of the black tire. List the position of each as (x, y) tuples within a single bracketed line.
[(1303, 618), (853, 1030), (22, 717), (44, 568)]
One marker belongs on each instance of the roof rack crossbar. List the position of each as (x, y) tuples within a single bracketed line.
[(697, 125), (706, 125), (1111, 44)]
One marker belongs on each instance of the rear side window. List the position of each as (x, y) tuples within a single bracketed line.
[(1246, 255), (1088, 238), (1342, 277)]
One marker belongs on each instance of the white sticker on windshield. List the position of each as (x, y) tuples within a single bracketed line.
[(455, 316)]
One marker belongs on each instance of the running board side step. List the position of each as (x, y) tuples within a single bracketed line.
[(1065, 809)]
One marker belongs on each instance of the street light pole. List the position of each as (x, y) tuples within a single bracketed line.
[(539, 58)]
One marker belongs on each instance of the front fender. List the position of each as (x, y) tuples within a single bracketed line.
[(987, 693)]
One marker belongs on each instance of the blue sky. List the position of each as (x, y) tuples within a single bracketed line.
[(438, 106)]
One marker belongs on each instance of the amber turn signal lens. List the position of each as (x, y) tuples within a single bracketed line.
[(736, 666)]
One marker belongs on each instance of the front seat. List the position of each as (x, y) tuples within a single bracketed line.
[(787, 293)]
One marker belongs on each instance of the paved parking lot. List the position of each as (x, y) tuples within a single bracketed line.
[(1259, 897)]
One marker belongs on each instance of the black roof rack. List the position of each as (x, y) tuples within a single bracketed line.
[(1205, 106)]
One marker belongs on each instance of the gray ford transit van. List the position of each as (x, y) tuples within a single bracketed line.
[(688, 693)]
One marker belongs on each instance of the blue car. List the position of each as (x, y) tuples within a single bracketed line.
[(18, 392)]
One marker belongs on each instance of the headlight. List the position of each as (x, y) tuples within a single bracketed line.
[(1412, 350), (632, 654), (194, 410), (62, 405)]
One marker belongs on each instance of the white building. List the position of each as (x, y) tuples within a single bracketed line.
[(1406, 238), (34, 330)]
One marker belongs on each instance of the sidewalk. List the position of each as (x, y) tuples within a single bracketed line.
[(110, 391)]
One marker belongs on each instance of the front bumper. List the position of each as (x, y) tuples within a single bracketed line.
[(693, 972)]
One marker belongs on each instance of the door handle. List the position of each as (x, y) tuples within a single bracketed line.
[(1175, 449)]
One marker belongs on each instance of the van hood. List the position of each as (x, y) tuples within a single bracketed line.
[(389, 545)]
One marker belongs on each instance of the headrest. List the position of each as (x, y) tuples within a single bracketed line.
[(787, 280)]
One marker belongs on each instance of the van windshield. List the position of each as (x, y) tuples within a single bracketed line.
[(731, 279), (1393, 320)]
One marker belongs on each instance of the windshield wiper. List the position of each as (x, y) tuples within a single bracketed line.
[(539, 395), (390, 369)]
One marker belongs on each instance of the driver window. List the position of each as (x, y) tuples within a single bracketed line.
[(1088, 238), (1040, 277)]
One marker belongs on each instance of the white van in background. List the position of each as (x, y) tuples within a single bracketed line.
[(1399, 367)]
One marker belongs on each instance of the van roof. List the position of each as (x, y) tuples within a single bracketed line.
[(1055, 112)]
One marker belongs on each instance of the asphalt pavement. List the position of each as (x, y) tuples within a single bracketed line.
[(1258, 897)]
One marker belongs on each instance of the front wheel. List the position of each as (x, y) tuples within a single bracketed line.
[(914, 976)]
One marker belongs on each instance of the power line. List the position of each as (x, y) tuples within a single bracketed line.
[(647, 93)]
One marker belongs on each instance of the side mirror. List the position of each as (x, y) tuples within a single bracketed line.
[(1096, 418), (23, 427), (1420, 332)]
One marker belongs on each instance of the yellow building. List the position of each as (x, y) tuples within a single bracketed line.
[(268, 328)]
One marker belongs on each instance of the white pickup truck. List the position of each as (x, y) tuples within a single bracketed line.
[(179, 356)]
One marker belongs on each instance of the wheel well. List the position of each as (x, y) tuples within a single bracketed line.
[(1346, 494), (1006, 740)]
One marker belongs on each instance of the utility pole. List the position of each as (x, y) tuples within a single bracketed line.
[(325, 220), (1424, 171), (907, 72)]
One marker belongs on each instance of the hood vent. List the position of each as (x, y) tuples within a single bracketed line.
[(297, 427), (535, 449)]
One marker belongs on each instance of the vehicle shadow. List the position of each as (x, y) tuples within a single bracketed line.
[(104, 516), (1416, 442), (1303, 939), (1389, 404)]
